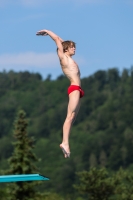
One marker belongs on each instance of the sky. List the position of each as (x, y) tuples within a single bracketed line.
[(102, 30)]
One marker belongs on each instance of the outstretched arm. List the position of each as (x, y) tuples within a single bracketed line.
[(56, 38)]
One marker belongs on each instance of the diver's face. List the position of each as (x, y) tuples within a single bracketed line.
[(71, 50)]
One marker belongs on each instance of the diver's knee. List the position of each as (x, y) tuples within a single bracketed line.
[(71, 117), (73, 114)]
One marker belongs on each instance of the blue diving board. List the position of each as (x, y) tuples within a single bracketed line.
[(22, 177)]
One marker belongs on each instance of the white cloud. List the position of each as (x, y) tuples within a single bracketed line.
[(29, 59), (32, 60)]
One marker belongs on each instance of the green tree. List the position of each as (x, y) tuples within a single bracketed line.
[(2, 194), (22, 160), (52, 196), (124, 190), (96, 184)]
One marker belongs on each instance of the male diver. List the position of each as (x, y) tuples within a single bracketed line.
[(65, 51)]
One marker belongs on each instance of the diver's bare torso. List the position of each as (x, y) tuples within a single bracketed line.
[(71, 70)]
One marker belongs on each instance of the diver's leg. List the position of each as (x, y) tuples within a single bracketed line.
[(73, 108)]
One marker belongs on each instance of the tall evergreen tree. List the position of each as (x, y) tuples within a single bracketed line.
[(22, 160)]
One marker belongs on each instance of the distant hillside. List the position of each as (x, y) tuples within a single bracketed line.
[(101, 136)]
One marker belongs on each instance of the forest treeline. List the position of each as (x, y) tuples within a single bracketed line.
[(102, 135)]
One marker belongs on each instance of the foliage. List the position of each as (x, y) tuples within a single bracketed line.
[(99, 184), (2, 194), (124, 191), (22, 159), (96, 184), (102, 135)]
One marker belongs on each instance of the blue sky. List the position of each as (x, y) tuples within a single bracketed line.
[(102, 30)]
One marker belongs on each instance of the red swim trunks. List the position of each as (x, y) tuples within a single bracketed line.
[(75, 87)]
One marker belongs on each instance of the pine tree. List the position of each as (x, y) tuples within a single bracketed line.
[(22, 160)]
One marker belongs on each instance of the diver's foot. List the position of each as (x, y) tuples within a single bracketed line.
[(65, 150)]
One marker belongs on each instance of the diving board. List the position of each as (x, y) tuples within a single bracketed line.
[(22, 177)]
